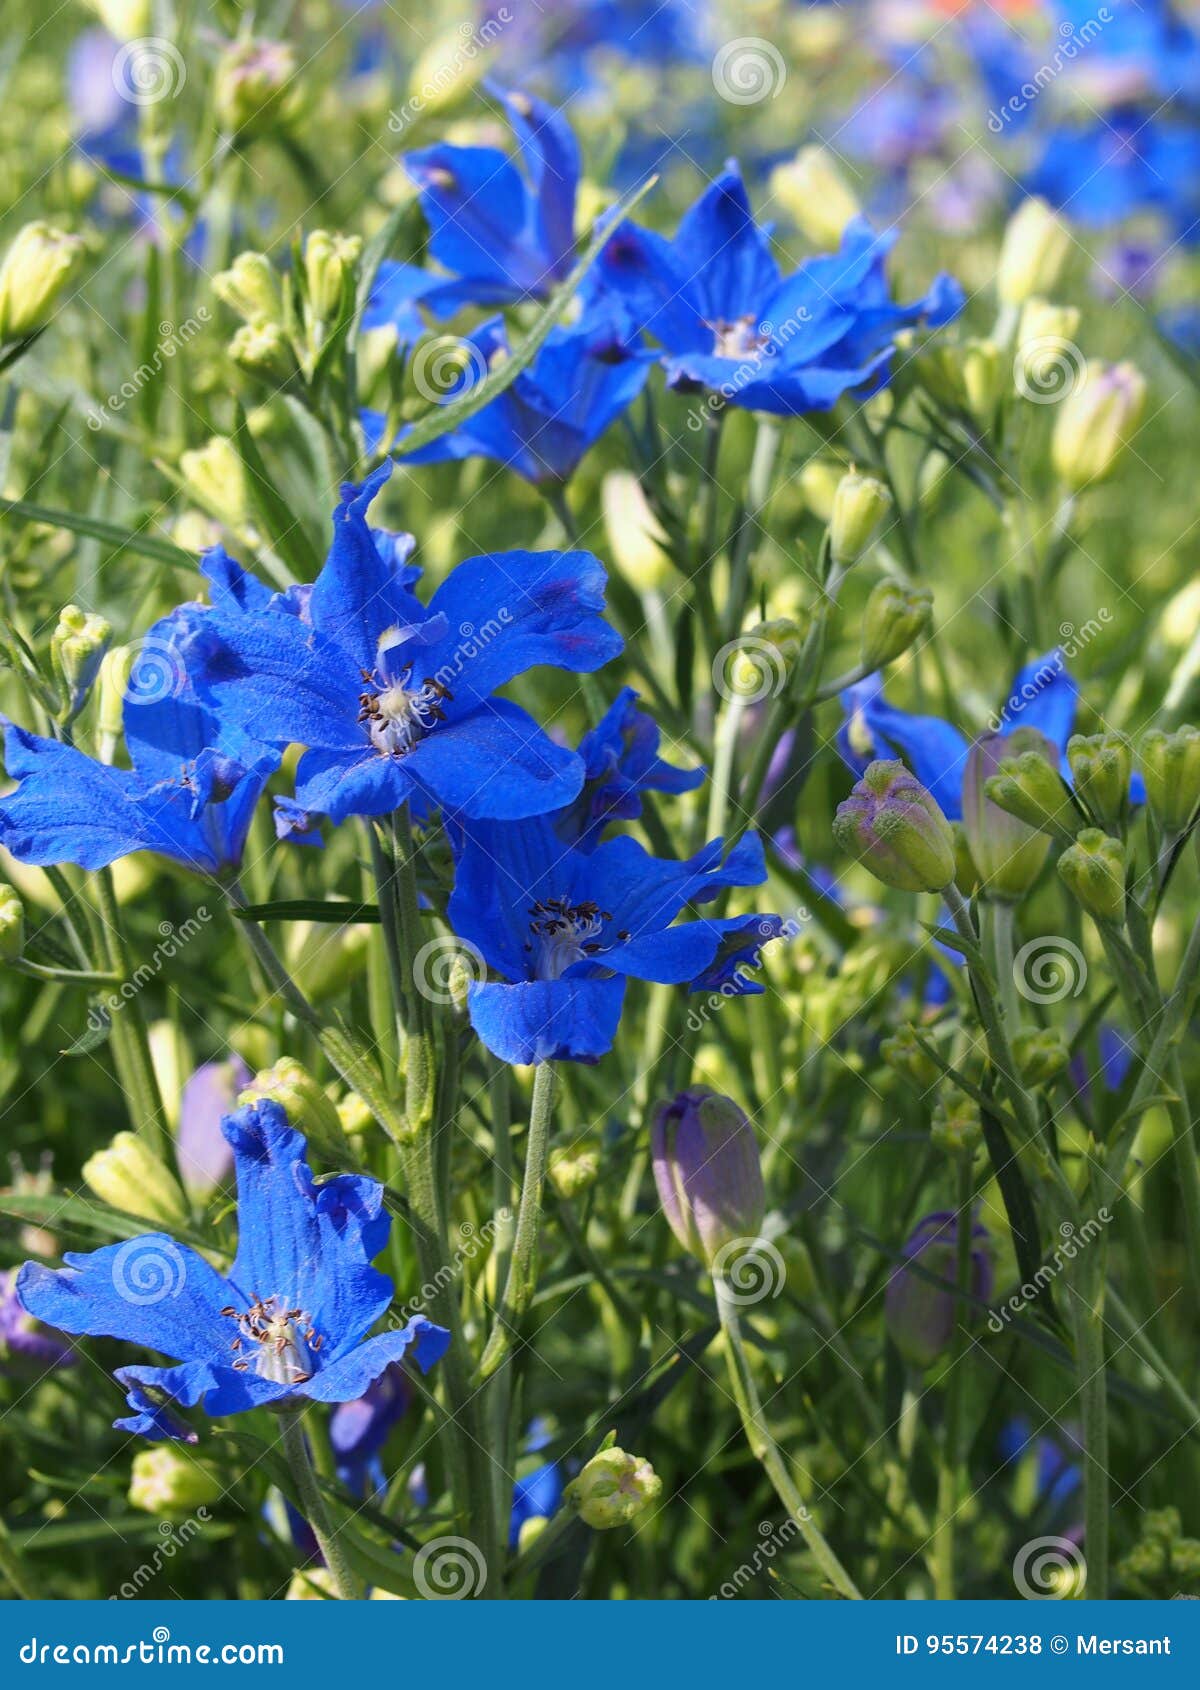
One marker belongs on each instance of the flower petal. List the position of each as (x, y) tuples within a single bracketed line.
[(547, 1020)]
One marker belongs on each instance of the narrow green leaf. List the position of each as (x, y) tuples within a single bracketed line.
[(95, 528), (309, 909), (284, 530)]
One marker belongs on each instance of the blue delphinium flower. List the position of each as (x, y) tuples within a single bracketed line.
[(730, 322), (544, 422), (1130, 161), (289, 1321), (503, 228), (621, 761), (1043, 696), (359, 1429), (566, 927), (393, 699), (535, 1497), (190, 794), (24, 1341)]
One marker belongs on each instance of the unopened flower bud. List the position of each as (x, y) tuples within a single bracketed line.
[(77, 648), (859, 506), (895, 616), (354, 1114), (309, 1109), (165, 1481), (1094, 870), (765, 653), (966, 870), (129, 1176), (262, 349), (1096, 422), (572, 1172), (251, 288), (612, 1489), (897, 830), (1034, 251), (1170, 766), (938, 366), (1008, 852), (1045, 343), (252, 85), (902, 1052), (217, 477), (707, 1171), (919, 1312), (636, 540), (12, 924), (329, 262), (956, 1125), (816, 195), (1040, 1053), (982, 374), (112, 687), (1031, 789), (1101, 767), (444, 74), (36, 269)]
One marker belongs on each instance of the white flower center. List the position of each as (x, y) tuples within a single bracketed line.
[(397, 715), (277, 1342), (565, 933), (739, 339)]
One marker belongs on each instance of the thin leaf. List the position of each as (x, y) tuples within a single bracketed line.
[(95, 528), (337, 911)]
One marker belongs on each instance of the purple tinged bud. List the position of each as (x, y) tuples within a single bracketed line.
[(707, 1171), (918, 1313), (204, 1156), (1008, 852), (897, 830)]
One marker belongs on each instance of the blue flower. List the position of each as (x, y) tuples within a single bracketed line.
[(535, 1497), (1043, 696), (1127, 162), (565, 927), (392, 698), (505, 233), (290, 1320), (731, 323), (190, 794), (544, 422), (359, 1429), (621, 761)]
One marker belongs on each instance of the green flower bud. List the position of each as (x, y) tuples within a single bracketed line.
[(612, 1489), (1034, 251), (125, 20), (253, 85), (982, 374), (1032, 790), (251, 288), (12, 924), (966, 871), (897, 830), (262, 349), (816, 195), (36, 270), (1094, 870), (329, 262), (217, 476), (939, 369), (859, 506), (819, 481), (895, 616), (902, 1053), (354, 1114), (956, 1125), (444, 75), (1170, 766), (1101, 767), (1008, 852), (309, 1109), (572, 1172), (1162, 1525), (1040, 1053), (129, 1176), (1046, 351), (1096, 422), (77, 648), (165, 1481), (116, 666), (636, 539)]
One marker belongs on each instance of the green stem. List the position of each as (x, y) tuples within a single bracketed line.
[(130, 1032), (522, 1272), (312, 1503), (1087, 1301), (949, 1472), (11, 1568), (767, 1451)]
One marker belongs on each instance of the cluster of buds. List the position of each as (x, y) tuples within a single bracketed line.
[(33, 277), (903, 1052), (1101, 768), (956, 1126), (255, 87), (897, 830), (309, 1109), (165, 1481), (1170, 768), (1040, 1053), (1093, 868), (77, 649), (129, 1176)]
